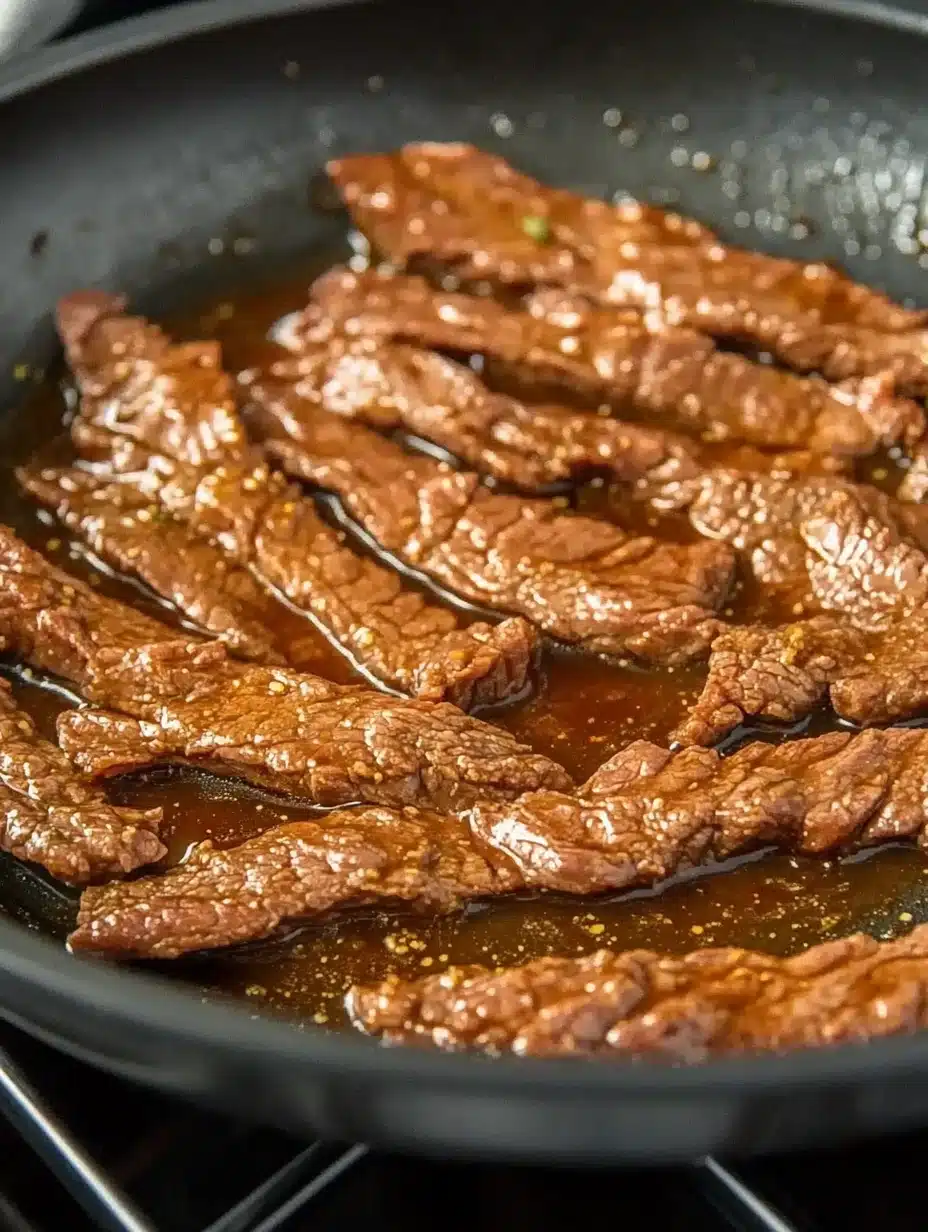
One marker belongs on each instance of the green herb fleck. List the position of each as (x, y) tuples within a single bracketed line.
[(536, 228)]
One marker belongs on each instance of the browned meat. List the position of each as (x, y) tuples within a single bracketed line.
[(636, 363), (218, 898), (473, 212), (581, 580), (54, 818), (862, 565), (647, 1006), (169, 398), (153, 397), (130, 533), (863, 560), (290, 731), (786, 672), (830, 543), (780, 673), (842, 351), (387, 385), (645, 815)]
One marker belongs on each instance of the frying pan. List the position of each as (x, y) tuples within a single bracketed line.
[(125, 154)]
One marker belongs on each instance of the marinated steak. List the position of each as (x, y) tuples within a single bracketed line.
[(168, 398), (784, 673), (130, 533), (643, 816), (166, 418), (647, 1006), (219, 898), (474, 213), (290, 731), (824, 541), (632, 361), (53, 817), (388, 385), (581, 580)]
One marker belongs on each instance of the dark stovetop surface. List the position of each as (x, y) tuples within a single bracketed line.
[(185, 1170)]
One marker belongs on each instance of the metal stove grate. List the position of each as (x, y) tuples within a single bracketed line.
[(283, 1196)]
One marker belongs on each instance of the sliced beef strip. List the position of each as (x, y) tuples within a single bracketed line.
[(165, 397), (53, 817), (785, 673), (635, 363), (831, 543), (472, 212), (184, 447), (680, 1009), (290, 873), (865, 656), (863, 560), (642, 817), (389, 385), (578, 579), (774, 673), (839, 352), (286, 730), (130, 533)]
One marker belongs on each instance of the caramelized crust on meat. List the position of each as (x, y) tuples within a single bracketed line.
[(474, 213), (648, 1006), (578, 579), (635, 362)]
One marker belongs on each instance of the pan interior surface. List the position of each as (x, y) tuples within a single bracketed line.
[(189, 171)]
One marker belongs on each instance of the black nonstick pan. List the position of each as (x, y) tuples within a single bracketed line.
[(124, 155)]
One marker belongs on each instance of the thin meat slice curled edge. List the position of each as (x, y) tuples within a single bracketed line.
[(867, 656), (475, 213), (188, 701), (645, 1006), (647, 367), (646, 814), (127, 531), (581, 580), (386, 386), (53, 817), (164, 414)]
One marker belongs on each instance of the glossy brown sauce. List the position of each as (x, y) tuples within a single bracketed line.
[(584, 710)]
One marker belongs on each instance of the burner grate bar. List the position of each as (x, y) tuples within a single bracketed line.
[(103, 1201), (344, 1161), (288, 1189), (749, 1211)]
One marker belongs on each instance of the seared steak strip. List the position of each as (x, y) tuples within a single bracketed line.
[(145, 398), (388, 385), (287, 730), (866, 657), (829, 542), (53, 817), (474, 213), (129, 532), (579, 579), (643, 816), (784, 673), (647, 1006), (635, 363), (290, 873)]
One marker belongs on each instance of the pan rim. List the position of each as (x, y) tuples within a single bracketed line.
[(132, 35), (29, 962)]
